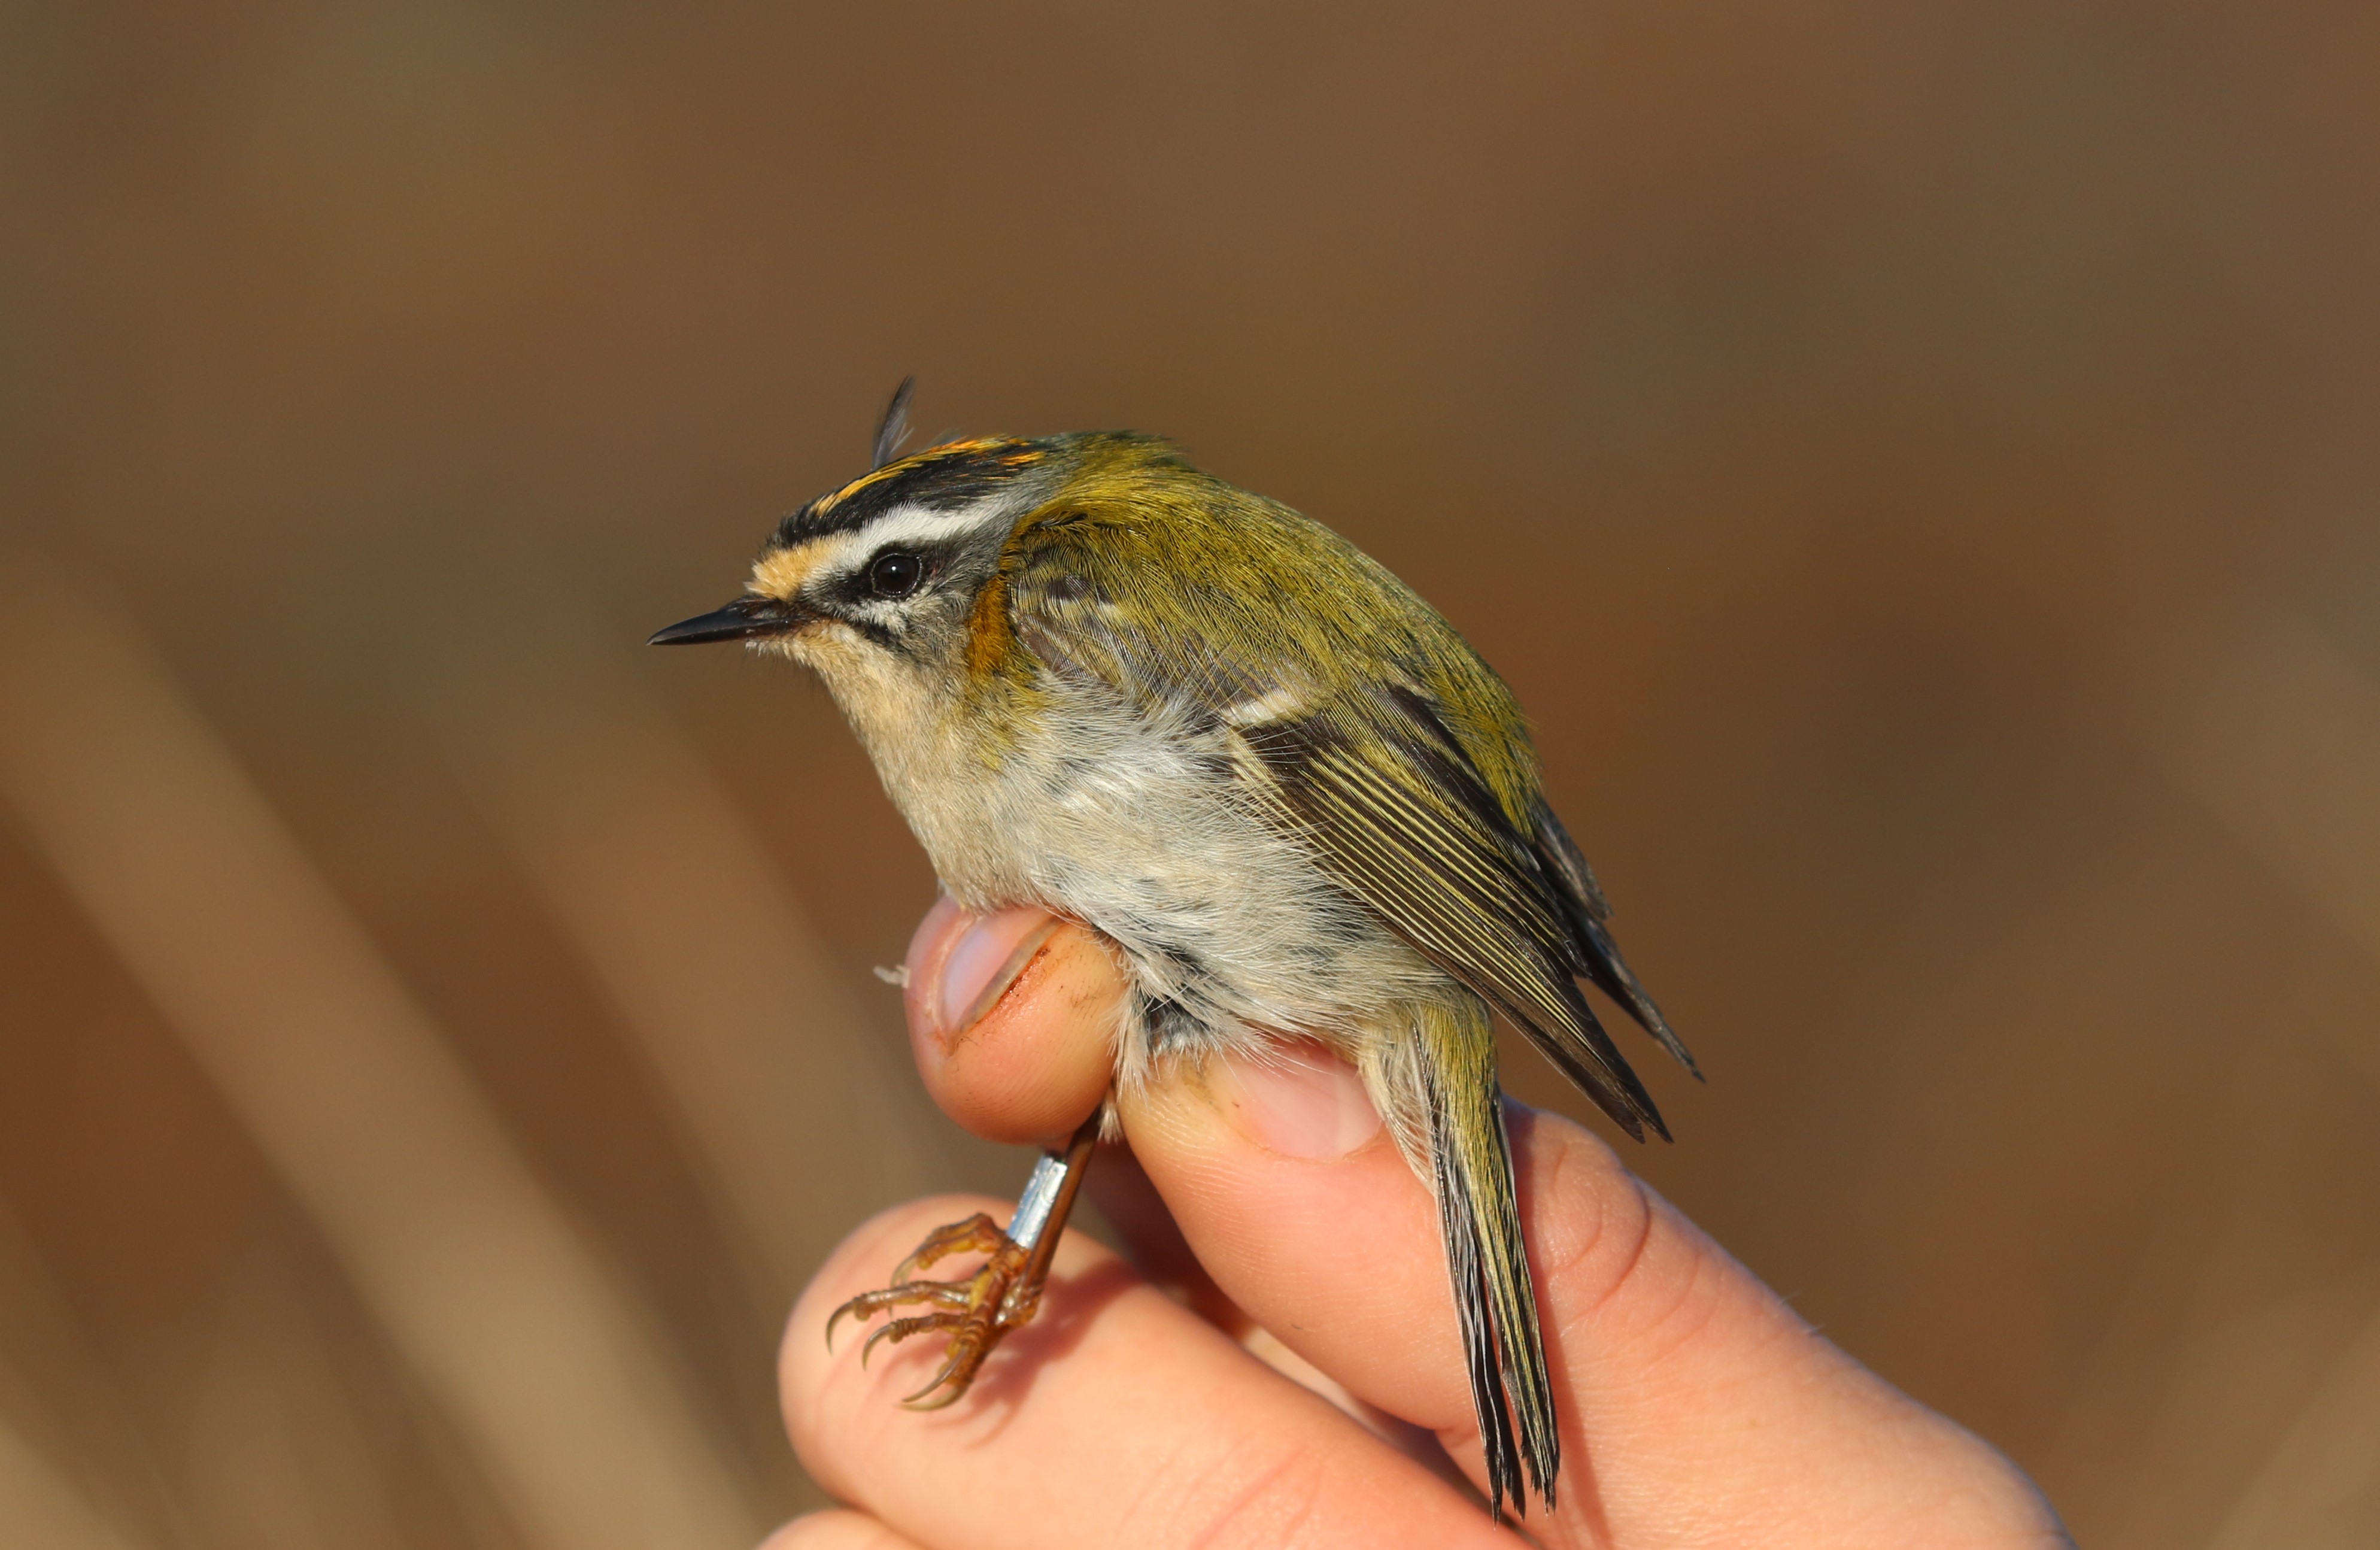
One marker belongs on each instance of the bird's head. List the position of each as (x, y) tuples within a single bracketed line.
[(899, 580)]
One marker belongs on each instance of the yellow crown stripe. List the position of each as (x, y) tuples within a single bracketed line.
[(1021, 455)]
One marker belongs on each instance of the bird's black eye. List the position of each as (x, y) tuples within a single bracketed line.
[(895, 574)]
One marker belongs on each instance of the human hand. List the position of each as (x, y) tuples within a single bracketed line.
[(1284, 1251)]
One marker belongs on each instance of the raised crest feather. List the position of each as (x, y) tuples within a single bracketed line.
[(895, 427)]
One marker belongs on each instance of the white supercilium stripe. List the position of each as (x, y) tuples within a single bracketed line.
[(918, 525)]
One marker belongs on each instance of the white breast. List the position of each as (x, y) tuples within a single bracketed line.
[(1133, 823), (1136, 825)]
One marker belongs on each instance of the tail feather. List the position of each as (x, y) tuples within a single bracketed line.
[(1471, 1170)]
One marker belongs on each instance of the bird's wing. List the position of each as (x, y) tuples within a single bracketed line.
[(1398, 816), (1391, 800)]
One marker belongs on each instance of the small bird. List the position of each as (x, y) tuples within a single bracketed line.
[(1099, 680)]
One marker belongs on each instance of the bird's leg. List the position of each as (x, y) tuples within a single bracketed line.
[(974, 1312)]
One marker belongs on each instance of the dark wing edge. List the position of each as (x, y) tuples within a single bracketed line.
[(1405, 824), (1583, 902), (1548, 853)]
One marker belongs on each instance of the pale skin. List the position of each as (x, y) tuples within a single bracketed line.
[(1284, 1251)]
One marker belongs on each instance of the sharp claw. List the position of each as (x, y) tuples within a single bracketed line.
[(945, 1403), (950, 1369), (901, 1329), (831, 1320)]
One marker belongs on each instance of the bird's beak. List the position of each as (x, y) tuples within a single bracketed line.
[(740, 620)]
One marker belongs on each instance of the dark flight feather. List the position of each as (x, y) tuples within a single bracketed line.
[(1438, 875), (1588, 912)]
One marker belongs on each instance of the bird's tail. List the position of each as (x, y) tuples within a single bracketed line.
[(1449, 1078)]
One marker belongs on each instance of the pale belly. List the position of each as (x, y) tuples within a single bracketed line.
[(1232, 934)]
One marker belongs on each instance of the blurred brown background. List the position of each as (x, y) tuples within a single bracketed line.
[(1916, 462)]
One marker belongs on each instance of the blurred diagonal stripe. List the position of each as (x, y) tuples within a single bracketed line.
[(2283, 747), (64, 1400), (37, 1508), (2319, 1489), (799, 1100), (350, 1088)]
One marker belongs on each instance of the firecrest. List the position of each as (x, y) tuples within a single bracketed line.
[(1099, 680)]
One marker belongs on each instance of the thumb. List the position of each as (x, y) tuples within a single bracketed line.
[(1013, 1018)]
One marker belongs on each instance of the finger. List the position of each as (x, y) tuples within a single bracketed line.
[(1129, 1203), (1116, 1417), (1013, 1018), (1688, 1393), (836, 1531)]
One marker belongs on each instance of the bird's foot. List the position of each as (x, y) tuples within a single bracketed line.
[(974, 1312)]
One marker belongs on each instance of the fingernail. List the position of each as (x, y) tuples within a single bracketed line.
[(985, 960), (1301, 1101)]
